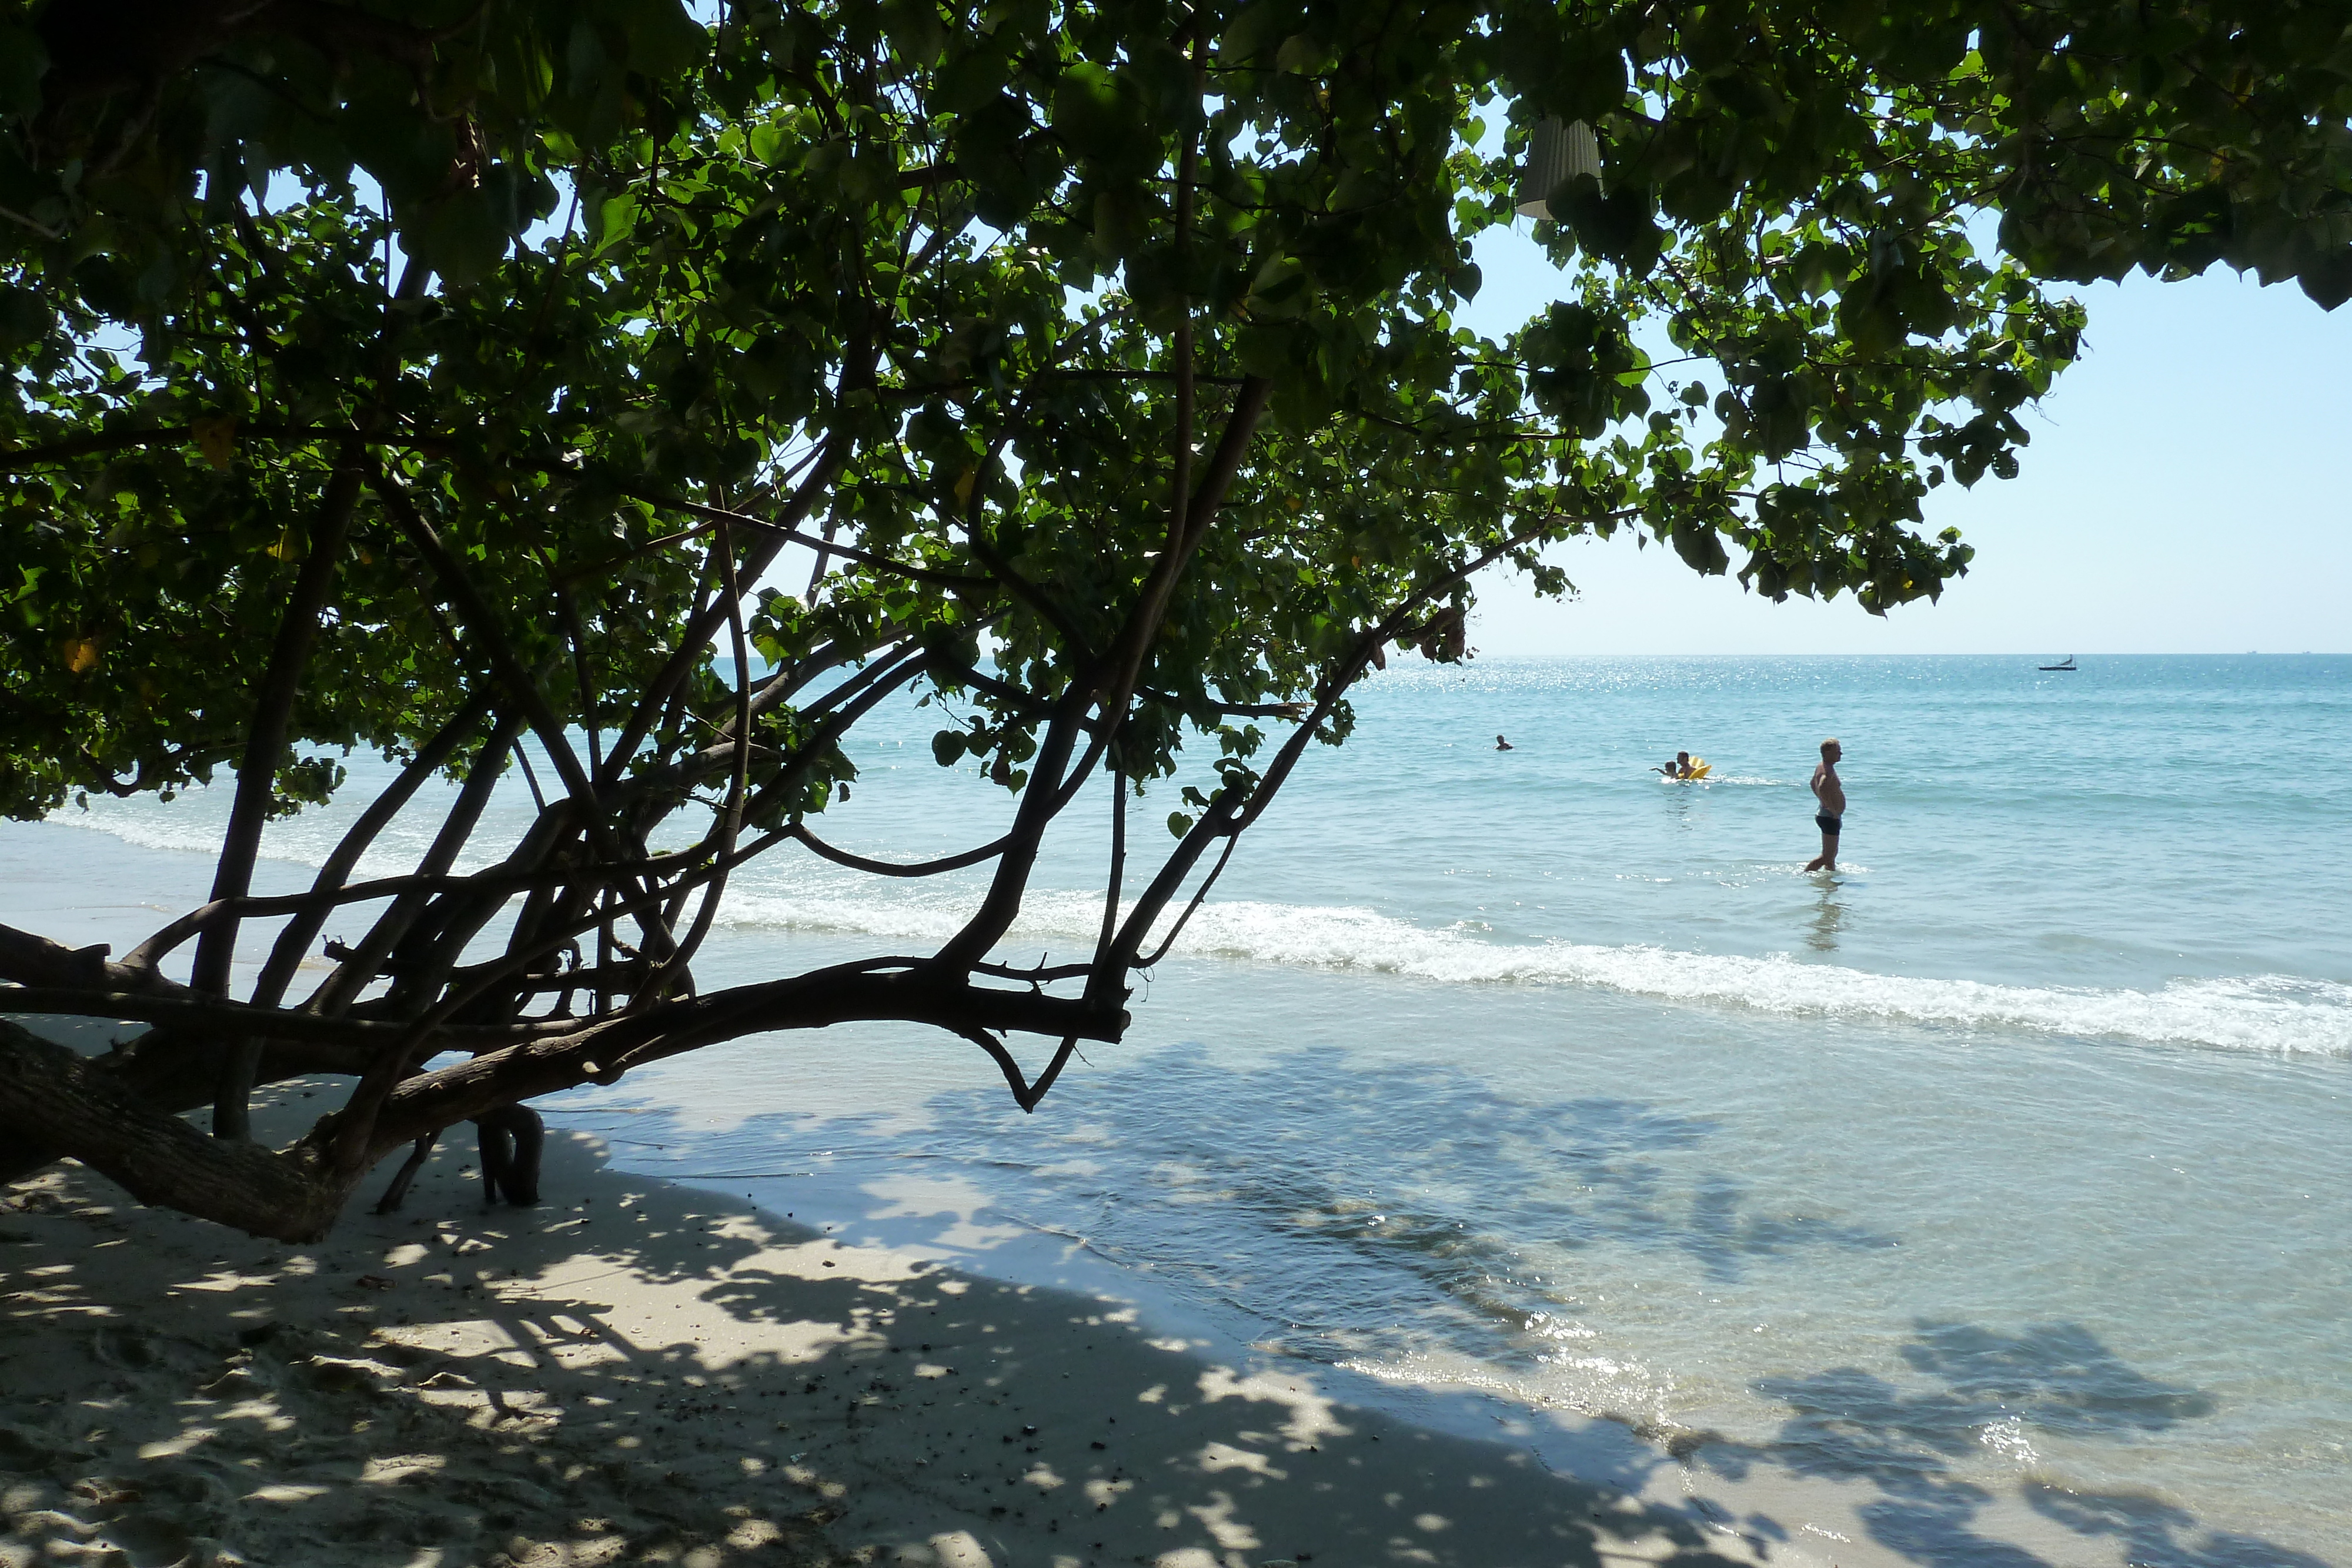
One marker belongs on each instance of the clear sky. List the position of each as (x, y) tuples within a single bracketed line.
[(2189, 489)]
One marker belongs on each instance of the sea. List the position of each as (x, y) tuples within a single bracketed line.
[(2010, 1160)]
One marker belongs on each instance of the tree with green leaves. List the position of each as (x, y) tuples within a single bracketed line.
[(423, 379)]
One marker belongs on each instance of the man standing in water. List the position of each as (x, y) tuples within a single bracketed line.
[(1829, 791)]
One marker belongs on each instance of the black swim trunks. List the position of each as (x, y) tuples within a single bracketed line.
[(1827, 823)]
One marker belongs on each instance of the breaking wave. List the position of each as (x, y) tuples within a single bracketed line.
[(2264, 1012), (2271, 1013)]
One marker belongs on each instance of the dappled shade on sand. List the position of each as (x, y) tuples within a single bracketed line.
[(642, 1373)]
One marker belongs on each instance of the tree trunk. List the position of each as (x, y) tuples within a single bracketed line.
[(56, 1096), (168, 1072)]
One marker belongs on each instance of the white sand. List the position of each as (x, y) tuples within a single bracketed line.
[(640, 1372)]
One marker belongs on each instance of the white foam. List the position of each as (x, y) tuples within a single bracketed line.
[(150, 829), (2264, 1012), (1630, 1391), (2272, 1013), (304, 841), (194, 823), (1742, 779)]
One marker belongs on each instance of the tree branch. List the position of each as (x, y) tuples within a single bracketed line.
[(794, 535), (54, 1097), (887, 868), (257, 774), (217, 1018)]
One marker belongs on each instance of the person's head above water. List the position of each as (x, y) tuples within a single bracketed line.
[(1831, 750), (1682, 757)]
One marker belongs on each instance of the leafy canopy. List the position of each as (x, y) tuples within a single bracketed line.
[(413, 377), (950, 243)]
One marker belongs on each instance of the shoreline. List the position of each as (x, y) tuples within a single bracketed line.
[(638, 1371), (684, 1281), (644, 1370)]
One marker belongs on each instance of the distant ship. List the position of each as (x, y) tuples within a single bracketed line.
[(2067, 664)]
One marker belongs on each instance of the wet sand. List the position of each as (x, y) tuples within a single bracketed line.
[(641, 1373)]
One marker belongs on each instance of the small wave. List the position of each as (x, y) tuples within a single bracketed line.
[(2272, 1013), (148, 829), (305, 841), (2266, 1013), (1629, 1390)]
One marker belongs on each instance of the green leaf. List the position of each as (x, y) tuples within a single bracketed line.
[(615, 219), (22, 62), (1098, 115)]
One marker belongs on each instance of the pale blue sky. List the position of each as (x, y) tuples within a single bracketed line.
[(2185, 491)]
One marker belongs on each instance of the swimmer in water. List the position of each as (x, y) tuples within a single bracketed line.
[(1502, 745)]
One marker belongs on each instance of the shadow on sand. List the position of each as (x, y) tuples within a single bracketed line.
[(2053, 1378), (1386, 1171), (640, 1372), (645, 1373)]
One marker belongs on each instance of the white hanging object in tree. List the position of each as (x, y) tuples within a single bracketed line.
[(1558, 149)]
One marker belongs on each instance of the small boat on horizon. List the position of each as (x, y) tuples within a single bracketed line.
[(2067, 664)]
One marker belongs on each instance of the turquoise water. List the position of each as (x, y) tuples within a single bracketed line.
[(2007, 1166)]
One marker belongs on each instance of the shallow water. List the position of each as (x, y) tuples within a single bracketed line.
[(2010, 1158)]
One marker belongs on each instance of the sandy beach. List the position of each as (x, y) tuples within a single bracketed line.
[(643, 1372), (962, 711), (640, 1372)]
